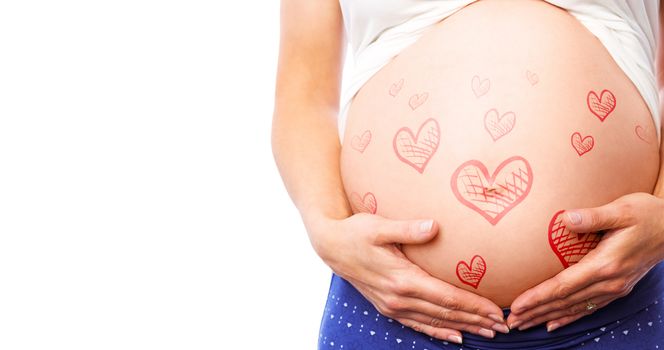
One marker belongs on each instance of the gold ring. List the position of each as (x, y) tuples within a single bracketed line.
[(590, 306)]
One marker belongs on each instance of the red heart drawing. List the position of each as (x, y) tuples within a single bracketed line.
[(570, 247), (492, 197), (417, 150), (364, 204), (360, 143), (533, 78), (396, 87), (417, 100), (582, 145), (498, 126), (480, 86), (471, 274), (603, 105), (643, 133)]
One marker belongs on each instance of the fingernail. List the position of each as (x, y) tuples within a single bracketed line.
[(487, 333), (425, 226), (552, 327), (525, 326), (515, 324), (455, 339), (499, 327), (497, 318), (574, 217)]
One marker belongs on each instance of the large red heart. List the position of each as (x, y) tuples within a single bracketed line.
[(499, 126), (471, 274), (360, 143), (569, 246), (603, 105), (417, 150), (364, 204), (582, 145), (492, 196)]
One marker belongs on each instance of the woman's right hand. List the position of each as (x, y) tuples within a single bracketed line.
[(363, 249)]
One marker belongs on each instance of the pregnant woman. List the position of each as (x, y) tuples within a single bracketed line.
[(440, 193)]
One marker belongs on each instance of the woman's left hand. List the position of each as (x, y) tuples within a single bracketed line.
[(632, 244)]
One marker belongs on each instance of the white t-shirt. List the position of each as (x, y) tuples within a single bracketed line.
[(378, 30)]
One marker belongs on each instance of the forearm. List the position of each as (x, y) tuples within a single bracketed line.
[(306, 149)]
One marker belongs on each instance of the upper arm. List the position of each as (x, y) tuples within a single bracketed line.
[(310, 53)]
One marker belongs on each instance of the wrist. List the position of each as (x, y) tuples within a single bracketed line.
[(321, 228)]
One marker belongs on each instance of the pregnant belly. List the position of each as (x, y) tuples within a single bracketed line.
[(494, 121)]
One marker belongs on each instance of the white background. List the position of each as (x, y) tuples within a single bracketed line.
[(140, 207)]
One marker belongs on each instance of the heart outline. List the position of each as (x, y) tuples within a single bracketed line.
[(600, 108), (494, 125), (579, 143), (472, 273), (480, 86), (360, 202), (395, 88), (500, 198), (642, 134), (558, 244), (425, 154), (417, 100), (360, 143), (533, 78)]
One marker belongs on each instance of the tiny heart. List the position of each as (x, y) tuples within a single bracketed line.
[(372, 332), (417, 150), (603, 105), (569, 246), (499, 126), (396, 87), (582, 145), (417, 100), (642, 133), (533, 78), (471, 274), (625, 332), (364, 204), (480, 86), (492, 196), (360, 143)]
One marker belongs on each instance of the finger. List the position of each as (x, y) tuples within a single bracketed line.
[(577, 309), (561, 286), (450, 297), (452, 318), (592, 291), (439, 323), (404, 232), (612, 215), (434, 332)]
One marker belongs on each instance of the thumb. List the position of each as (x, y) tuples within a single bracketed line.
[(595, 219), (404, 231)]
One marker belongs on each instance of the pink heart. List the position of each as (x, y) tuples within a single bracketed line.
[(499, 126), (642, 133), (480, 87), (364, 204), (582, 145), (492, 196), (360, 143), (417, 150), (603, 105), (533, 78), (570, 247), (471, 274), (417, 100), (396, 87)]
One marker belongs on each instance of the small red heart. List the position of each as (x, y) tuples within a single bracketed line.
[(570, 247), (603, 105), (533, 78), (582, 145), (492, 196), (471, 274), (417, 150), (480, 86), (360, 143), (364, 204), (643, 133), (499, 126), (417, 100), (396, 87)]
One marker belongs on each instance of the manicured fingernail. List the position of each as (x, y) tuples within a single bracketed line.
[(497, 318), (552, 327), (515, 324), (487, 333), (499, 327), (455, 339), (574, 217), (425, 226), (525, 326)]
